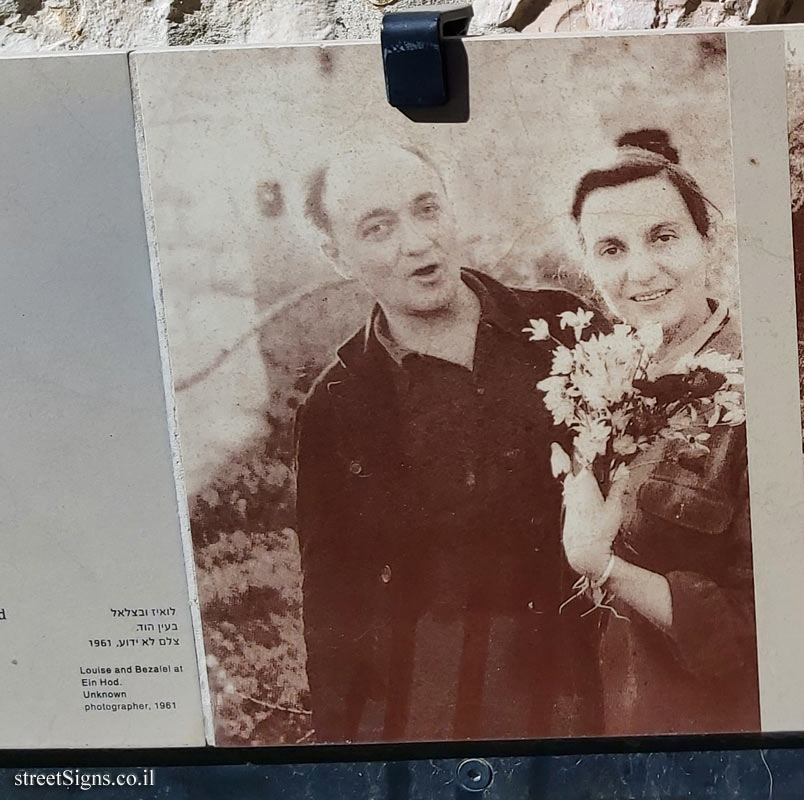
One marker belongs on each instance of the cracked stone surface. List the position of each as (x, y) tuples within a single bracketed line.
[(58, 25)]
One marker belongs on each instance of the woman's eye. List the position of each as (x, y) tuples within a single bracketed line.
[(665, 237)]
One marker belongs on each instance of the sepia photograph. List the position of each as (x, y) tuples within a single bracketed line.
[(795, 106), (460, 406)]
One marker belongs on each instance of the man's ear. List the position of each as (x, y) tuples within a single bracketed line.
[(330, 250)]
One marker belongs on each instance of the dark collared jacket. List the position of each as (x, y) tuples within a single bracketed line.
[(689, 520), (369, 541)]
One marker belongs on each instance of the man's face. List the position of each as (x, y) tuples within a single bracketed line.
[(392, 230)]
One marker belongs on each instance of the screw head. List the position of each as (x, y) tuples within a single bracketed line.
[(474, 774)]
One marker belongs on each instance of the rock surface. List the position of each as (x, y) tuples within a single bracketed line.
[(57, 25)]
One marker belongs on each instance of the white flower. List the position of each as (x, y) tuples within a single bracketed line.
[(605, 367), (726, 365), (734, 416), (719, 362), (698, 443), (552, 385), (624, 445), (560, 463), (557, 399), (651, 337), (577, 320), (562, 361), (591, 441), (539, 330), (619, 420), (730, 402), (682, 420)]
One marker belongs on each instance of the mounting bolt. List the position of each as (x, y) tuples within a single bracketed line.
[(474, 774)]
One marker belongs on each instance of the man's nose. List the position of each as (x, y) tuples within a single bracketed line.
[(414, 238)]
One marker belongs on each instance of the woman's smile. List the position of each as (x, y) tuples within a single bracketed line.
[(650, 297)]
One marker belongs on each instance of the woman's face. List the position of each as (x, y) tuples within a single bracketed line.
[(645, 254)]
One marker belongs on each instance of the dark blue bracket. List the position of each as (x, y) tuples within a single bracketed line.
[(414, 53)]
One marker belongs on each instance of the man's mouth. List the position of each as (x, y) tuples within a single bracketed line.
[(427, 271), (647, 297)]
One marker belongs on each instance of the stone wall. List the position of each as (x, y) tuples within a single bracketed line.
[(62, 25)]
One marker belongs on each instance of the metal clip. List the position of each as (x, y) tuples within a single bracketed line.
[(414, 53)]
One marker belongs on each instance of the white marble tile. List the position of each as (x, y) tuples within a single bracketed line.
[(88, 510)]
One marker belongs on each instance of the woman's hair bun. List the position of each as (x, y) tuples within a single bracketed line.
[(654, 140)]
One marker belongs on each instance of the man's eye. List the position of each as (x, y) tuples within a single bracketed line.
[(610, 250), (375, 231), (429, 210)]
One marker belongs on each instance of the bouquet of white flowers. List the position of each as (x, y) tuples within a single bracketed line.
[(609, 393), (613, 399)]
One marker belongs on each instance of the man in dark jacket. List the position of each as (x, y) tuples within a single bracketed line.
[(428, 518)]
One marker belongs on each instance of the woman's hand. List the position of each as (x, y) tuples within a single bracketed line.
[(591, 522)]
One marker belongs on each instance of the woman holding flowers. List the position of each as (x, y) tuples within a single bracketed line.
[(661, 536)]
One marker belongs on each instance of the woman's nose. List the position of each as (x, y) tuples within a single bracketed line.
[(640, 267)]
